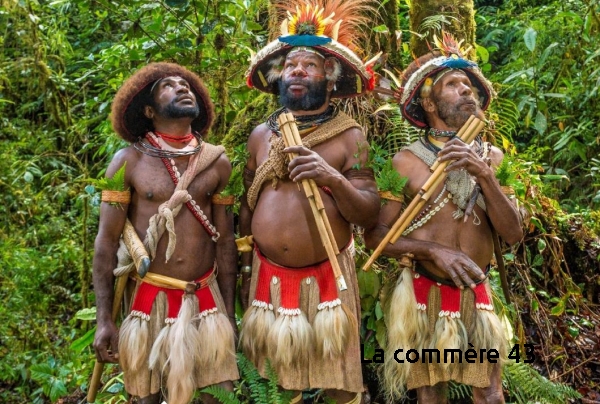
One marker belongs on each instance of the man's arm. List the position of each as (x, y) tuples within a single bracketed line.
[(225, 250), (502, 212), (112, 221), (357, 199), (245, 219), (457, 264)]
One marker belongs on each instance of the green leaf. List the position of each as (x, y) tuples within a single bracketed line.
[(483, 53), (541, 245), (560, 307), (381, 333), (530, 37), (378, 311), (86, 314), (540, 124), (382, 29), (57, 389), (368, 283), (574, 331), (253, 26), (81, 343)]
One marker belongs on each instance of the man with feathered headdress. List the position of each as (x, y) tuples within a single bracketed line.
[(297, 318), (179, 333), (442, 299)]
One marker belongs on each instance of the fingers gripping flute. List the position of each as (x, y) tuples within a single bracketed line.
[(142, 263), (467, 133), (291, 137)]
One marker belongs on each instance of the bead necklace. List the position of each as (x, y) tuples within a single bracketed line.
[(303, 121), (433, 132), (175, 139), (426, 214), (191, 204), (144, 146)]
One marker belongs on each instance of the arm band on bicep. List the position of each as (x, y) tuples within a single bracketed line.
[(218, 199), (116, 196), (362, 174)]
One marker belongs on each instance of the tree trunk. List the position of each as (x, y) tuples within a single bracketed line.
[(459, 21)]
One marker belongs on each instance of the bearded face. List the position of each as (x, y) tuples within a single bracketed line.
[(454, 99), (454, 114), (173, 110), (312, 99)]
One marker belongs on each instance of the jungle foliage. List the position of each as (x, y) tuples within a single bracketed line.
[(61, 62)]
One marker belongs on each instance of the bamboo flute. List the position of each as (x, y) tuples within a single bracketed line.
[(468, 132), (291, 137)]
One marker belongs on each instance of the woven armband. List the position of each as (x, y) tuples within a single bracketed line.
[(508, 191), (362, 174), (391, 197), (109, 196), (219, 199), (249, 175)]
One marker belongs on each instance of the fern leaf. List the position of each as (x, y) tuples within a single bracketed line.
[(526, 384), (222, 395)]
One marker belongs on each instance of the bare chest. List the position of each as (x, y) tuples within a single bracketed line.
[(153, 181)]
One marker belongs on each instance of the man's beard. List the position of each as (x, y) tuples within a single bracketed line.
[(452, 114), (315, 97), (173, 111)]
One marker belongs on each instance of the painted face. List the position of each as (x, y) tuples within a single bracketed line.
[(173, 98), (454, 98), (303, 86)]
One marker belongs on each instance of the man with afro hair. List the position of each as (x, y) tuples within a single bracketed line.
[(179, 333)]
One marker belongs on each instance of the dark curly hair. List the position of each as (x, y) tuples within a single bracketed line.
[(127, 112)]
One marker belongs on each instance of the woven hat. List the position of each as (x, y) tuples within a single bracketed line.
[(423, 71), (330, 27), (127, 112)]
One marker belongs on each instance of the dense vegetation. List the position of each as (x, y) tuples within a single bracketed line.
[(61, 62)]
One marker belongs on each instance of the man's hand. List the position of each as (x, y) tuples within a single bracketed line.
[(107, 337), (458, 265), (309, 165), (464, 156)]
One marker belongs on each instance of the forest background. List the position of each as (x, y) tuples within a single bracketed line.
[(61, 62)]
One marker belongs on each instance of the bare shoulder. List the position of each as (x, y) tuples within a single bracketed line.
[(223, 168), (496, 155), (405, 162), (259, 135), (257, 140), (128, 156), (351, 138)]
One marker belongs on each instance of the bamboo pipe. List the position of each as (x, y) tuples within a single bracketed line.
[(315, 191), (291, 137), (120, 285), (436, 179), (474, 126), (459, 134)]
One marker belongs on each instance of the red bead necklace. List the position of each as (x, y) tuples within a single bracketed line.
[(175, 139)]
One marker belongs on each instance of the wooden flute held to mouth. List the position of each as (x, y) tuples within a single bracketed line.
[(467, 133)]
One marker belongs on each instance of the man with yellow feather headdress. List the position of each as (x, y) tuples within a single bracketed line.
[(299, 318)]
